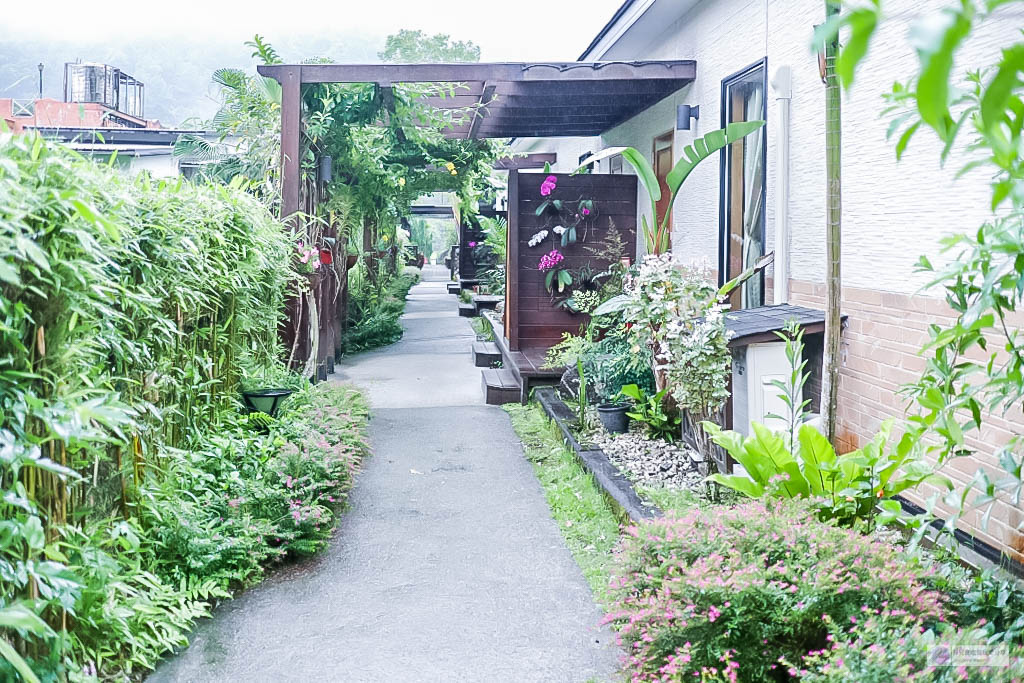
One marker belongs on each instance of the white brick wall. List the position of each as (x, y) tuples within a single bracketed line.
[(892, 213)]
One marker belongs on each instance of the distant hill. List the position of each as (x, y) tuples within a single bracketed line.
[(176, 72)]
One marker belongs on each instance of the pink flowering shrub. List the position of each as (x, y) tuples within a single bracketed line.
[(731, 592), (880, 650)]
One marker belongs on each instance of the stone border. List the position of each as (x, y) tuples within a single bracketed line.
[(616, 487)]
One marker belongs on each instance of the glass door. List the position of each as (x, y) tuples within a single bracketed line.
[(741, 211)]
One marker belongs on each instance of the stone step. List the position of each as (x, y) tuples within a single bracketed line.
[(499, 386), (454, 288), (485, 354), (467, 310)]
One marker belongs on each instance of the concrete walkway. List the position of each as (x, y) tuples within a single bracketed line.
[(448, 567)]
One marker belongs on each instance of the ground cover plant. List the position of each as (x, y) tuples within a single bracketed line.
[(134, 490), (375, 306)]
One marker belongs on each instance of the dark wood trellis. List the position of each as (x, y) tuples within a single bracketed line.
[(532, 320)]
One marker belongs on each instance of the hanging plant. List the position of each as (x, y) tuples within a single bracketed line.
[(556, 277)]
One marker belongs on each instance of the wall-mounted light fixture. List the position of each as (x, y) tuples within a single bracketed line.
[(684, 113)]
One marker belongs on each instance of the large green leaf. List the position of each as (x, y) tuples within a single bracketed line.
[(613, 305), (703, 147), (738, 483), (20, 665), (937, 38), (816, 452)]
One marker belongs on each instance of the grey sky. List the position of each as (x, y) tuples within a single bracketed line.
[(505, 30)]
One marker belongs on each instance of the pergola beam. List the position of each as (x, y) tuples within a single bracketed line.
[(495, 72), (478, 116)]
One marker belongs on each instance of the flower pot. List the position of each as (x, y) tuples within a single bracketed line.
[(326, 257), (351, 261), (613, 417)]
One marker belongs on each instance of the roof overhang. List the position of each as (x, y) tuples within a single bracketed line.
[(509, 100)]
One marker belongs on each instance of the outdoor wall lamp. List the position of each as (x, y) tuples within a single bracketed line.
[(684, 113)]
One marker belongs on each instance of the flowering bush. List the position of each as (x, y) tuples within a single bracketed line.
[(880, 650), (753, 585)]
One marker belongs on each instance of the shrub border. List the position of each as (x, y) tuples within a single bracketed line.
[(616, 487)]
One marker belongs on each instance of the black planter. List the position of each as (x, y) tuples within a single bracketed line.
[(265, 400), (613, 417)]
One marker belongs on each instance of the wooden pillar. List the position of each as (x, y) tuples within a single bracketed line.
[(512, 294), (291, 106)]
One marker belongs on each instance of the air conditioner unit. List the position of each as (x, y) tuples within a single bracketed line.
[(755, 398)]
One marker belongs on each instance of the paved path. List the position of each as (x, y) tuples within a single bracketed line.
[(448, 567)]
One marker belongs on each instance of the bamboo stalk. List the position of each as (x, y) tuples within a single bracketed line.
[(833, 233)]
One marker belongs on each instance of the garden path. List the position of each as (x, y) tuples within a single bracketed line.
[(448, 567)]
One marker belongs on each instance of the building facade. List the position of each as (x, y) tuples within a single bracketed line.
[(754, 60)]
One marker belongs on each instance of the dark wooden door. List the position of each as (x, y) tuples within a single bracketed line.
[(662, 166)]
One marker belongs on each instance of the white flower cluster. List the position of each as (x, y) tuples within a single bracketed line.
[(538, 238), (559, 229)]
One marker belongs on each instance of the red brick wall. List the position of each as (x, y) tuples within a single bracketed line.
[(884, 334)]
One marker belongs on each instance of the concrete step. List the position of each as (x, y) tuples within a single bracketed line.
[(454, 288), (467, 310), (487, 302), (485, 354), (499, 386)]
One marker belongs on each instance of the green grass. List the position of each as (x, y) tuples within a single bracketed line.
[(671, 501), (586, 520), (482, 326)]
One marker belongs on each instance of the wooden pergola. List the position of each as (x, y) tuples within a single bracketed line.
[(506, 100)]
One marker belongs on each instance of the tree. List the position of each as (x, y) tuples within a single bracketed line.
[(416, 47)]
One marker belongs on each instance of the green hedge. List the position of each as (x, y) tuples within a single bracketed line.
[(130, 311)]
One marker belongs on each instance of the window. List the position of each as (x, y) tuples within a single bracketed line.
[(615, 164), (742, 193)]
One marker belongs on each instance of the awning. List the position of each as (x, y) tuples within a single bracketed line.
[(549, 99)]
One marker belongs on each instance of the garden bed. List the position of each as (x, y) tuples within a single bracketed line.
[(616, 486)]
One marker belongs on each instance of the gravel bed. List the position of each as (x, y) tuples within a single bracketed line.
[(649, 462)]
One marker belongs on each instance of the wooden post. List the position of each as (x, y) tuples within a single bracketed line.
[(512, 263), (291, 105), (833, 232)]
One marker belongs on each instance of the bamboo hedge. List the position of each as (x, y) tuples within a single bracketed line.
[(131, 309)]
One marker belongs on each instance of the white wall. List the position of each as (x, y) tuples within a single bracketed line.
[(892, 213)]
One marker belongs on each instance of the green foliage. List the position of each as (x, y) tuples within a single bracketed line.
[(132, 312), (975, 365), (848, 488), (612, 365), (800, 462), (375, 306), (415, 47), (658, 237), (650, 411), (750, 585)]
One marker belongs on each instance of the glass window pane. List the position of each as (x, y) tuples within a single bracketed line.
[(744, 193)]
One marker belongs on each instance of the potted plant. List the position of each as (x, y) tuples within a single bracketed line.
[(612, 407)]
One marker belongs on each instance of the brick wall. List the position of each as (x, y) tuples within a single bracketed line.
[(884, 334)]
